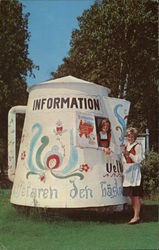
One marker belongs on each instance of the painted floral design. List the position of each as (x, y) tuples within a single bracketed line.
[(23, 155), (59, 127), (42, 177), (53, 159), (84, 168)]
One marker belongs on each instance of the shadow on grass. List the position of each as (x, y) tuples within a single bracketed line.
[(149, 213)]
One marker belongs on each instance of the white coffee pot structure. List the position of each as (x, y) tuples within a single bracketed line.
[(60, 162)]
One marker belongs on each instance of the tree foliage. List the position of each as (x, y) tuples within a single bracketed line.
[(116, 46), (150, 173), (14, 62)]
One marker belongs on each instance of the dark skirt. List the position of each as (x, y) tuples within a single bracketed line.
[(133, 191)]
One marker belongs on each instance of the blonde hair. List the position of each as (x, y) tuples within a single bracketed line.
[(132, 131), (105, 120)]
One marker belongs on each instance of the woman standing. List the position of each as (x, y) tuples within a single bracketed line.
[(132, 157)]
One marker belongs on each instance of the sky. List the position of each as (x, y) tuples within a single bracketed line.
[(51, 23)]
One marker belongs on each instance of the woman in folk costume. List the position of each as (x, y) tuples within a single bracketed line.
[(104, 135), (131, 158)]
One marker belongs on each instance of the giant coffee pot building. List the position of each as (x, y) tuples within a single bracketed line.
[(61, 162)]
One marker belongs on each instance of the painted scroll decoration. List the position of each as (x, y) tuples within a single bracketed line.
[(53, 160), (117, 111), (122, 121)]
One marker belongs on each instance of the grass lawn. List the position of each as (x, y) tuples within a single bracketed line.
[(80, 232)]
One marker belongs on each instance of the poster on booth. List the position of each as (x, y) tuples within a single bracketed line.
[(95, 131), (86, 130)]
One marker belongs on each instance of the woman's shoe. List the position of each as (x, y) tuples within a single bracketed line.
[(134, 222)]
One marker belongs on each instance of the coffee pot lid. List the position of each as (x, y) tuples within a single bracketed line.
[(66, 80)]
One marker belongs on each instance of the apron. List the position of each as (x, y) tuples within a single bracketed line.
[(104, 139), (132, 174)]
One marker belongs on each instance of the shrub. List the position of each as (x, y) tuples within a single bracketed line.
[(150, 174)]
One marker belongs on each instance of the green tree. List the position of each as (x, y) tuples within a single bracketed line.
[(116, 46), (14, 64), (150, 173)]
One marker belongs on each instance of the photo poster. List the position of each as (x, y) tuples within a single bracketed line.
[(86, 135), (88, 128), (101, 135)]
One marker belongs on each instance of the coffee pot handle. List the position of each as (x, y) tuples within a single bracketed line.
[(12, 139)]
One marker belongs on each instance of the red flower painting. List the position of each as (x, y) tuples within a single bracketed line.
[(23, 155), (84, 167)]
